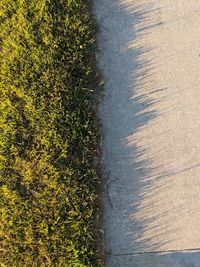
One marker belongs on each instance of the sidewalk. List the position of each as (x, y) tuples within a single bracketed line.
[(150, 58)]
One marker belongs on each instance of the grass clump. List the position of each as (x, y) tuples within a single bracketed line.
[(48, 134)]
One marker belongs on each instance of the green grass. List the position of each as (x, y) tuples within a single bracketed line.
[(48, 134)]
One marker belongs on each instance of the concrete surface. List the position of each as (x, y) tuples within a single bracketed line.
[(176, 259), (150, 58)]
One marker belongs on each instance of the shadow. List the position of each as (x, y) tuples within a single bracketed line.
[(140, 212), (183, 259)]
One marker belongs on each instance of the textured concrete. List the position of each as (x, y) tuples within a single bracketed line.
[(150, 58), (182, 259)]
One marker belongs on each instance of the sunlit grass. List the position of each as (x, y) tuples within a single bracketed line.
[(48, 134)]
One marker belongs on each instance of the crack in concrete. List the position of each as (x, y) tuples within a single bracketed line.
[(156, 252)]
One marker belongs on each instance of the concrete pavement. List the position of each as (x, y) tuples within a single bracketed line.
[(150, 59)]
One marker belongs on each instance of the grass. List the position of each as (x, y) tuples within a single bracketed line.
[(48, 134)]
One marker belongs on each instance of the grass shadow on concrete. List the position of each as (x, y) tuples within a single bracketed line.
[(129, 109)]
